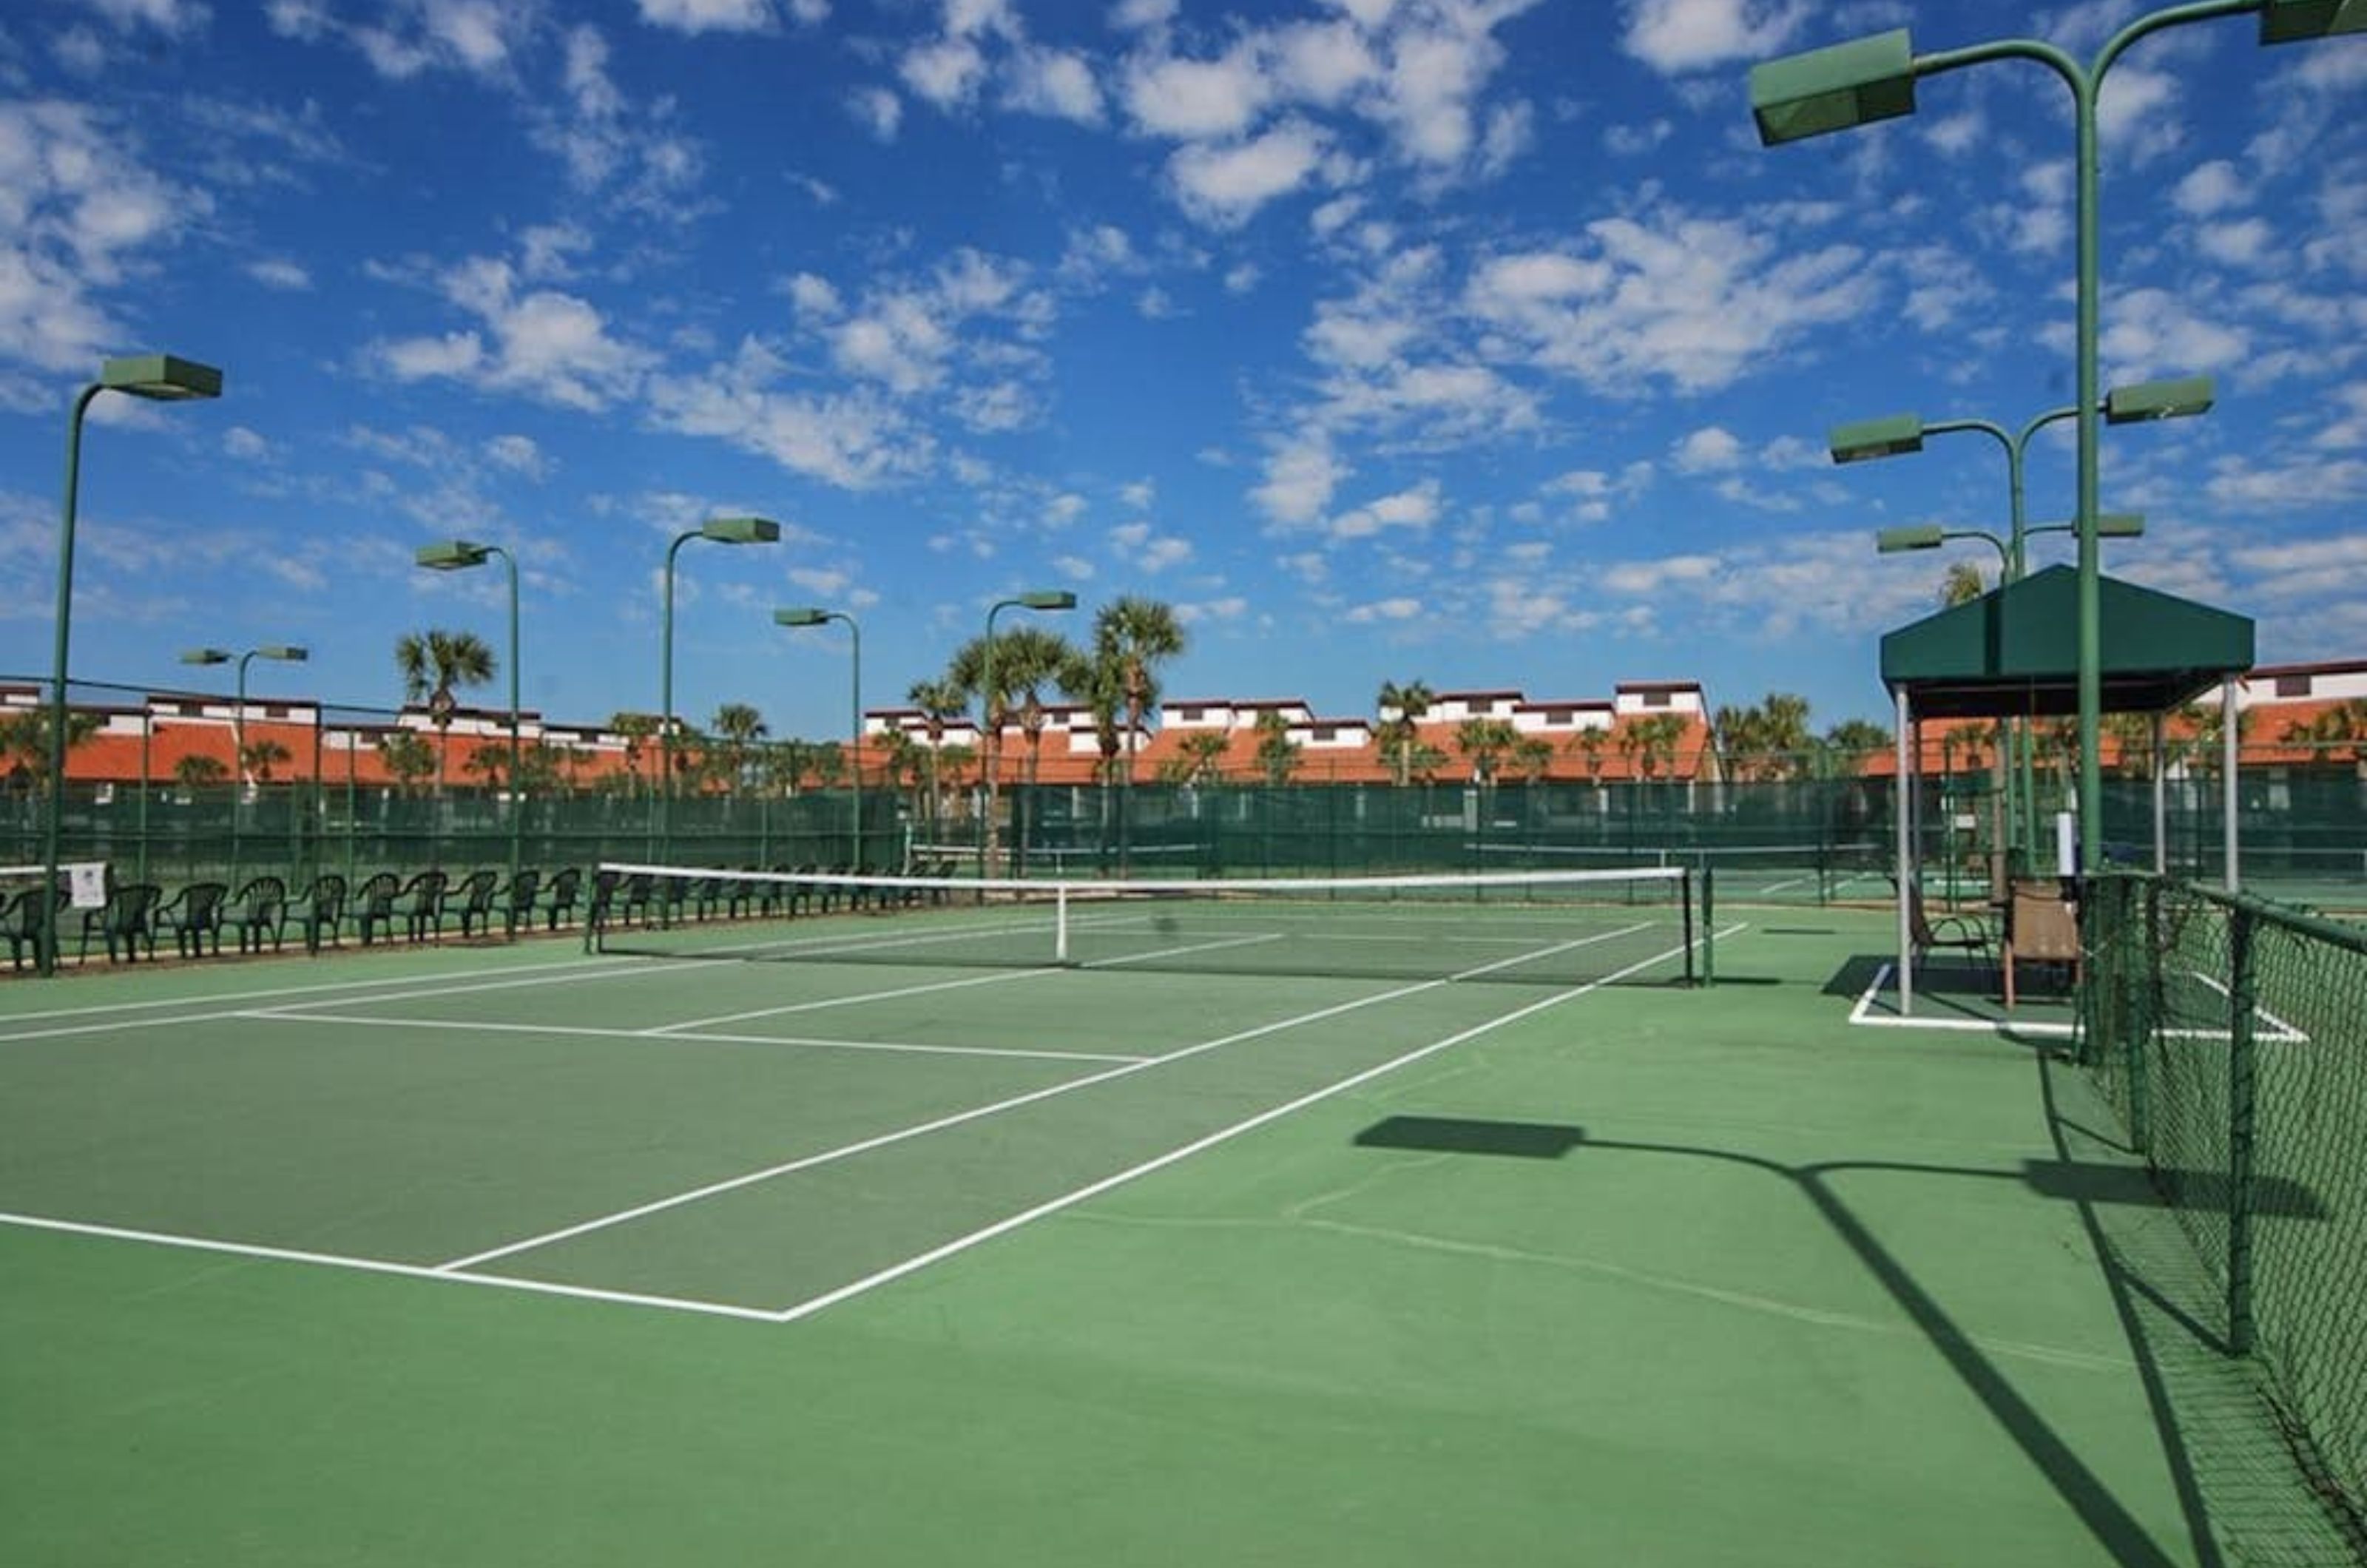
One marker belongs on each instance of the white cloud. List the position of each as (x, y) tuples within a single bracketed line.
[(1224, 186), (1706, 450), (245, 443), (542, 344), (176, 18), (1695, 301), (2211, 187), (520, 454), (708, 16), (2244, 243), (1054, 83), (1300, 477), (945, 71), (1400, 608), (1196, 99), (1677, 36), (277, 271), (877, 110)]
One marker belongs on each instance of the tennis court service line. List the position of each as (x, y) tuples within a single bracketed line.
[(461, 1266), (670, 1034)]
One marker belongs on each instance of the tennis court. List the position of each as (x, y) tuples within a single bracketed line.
[(517, 1254)]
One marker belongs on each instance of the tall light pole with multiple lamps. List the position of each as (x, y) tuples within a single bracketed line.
[(460, 555), (814, 616), (160, 378), (1872, 79)]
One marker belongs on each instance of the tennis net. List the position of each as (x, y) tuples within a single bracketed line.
[(1553, 927)]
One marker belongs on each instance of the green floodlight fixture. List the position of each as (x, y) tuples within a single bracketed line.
[(1047, 599), (1893, 436), (161, 378), (1921, 536), (2159, 400), (2297, 21), (452, 554), (1833, 90), (741, 530), (208, 655), (2109, 525), (286, 652)]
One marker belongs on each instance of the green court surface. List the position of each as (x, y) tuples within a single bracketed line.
[(490, 1255)]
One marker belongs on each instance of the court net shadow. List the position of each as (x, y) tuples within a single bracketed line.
[(1469, 1135)]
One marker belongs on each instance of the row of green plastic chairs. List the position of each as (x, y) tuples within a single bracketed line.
[(383, 907)]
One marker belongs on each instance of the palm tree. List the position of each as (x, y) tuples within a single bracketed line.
[(434, 662), (489, 761), (737, 728), (1202, 751), (195, 772), (1138, 636), (25, 737), (1484, 742), (938, 701), (1532, 757), (1025, 659), (2133, 736), (1653, 742), (2344, 725), (1852, 740), (407, 756), (635, 727), (1277, 754), (1401, 708), (1588, 744), (261, 756), (1963, 584)]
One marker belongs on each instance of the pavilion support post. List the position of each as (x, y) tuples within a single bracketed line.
[(2228, 757), (1903, 805), (2160, 802)]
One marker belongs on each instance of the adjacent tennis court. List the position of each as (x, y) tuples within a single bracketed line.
[(1155, 1250)]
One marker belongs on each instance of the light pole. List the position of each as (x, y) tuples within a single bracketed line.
[(723, 531), (163, 379), (1873, 78), (460, 555), (1037, 599), (811, 617), (1902, 433), (287, 653)]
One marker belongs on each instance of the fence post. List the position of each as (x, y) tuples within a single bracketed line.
[(2142, 982), (2242, 1070)]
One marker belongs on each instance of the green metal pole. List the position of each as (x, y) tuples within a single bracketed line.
[(238, 768), (517, 793), (665, 709), (855, 757), (2243, 991), (993, 750), (52, 828), (147, 734)]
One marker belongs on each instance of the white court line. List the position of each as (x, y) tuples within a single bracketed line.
[(672, 1035), (380, 1266), (1092, 1190), (2281, 1033), (958, 1118), (106, 1010)]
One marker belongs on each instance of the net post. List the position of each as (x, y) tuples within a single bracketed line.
[(1060, 921), (1708, 927), (2242, 1074)]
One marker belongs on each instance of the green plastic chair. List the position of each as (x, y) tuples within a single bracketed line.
[(23, 917), (558, 897), (374, 905), (319, 912), (476, 895), (193, 915), (421, 905), (257, 910), (125, 921), (518, 901)]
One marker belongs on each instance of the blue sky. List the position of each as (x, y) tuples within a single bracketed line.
[(1476, 341)]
